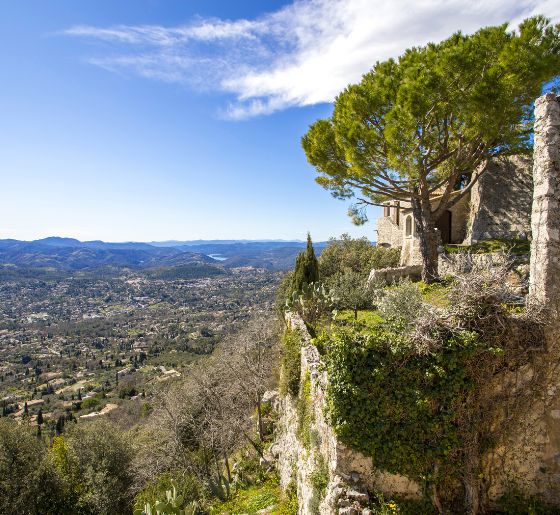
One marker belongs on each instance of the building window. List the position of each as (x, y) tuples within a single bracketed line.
[(386, 210), (397, 213), (408, 226)]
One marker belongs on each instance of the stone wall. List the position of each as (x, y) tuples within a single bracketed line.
[(500, 202), (351, 474), (393, 275), (388, 232)]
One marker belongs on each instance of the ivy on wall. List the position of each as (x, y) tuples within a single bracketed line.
[(398, 406)]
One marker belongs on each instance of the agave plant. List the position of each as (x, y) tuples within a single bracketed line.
[(220, 487)]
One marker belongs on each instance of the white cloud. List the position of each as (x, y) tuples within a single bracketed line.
[(302, 54)]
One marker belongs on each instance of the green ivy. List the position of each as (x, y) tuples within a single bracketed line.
[(397, 405), (305, 412), (319, 480), (291, 363)]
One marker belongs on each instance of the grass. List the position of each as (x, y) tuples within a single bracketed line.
[(251, 500), (368, 319), (435, 294), (515, 246)]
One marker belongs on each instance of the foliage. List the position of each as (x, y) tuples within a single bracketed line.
[(173, 504), (313, 303), (305, 412), (417, 126), (251, 500), (89, 403), (515, 502), (381, 506), (289, 501), (351, 290), (291, 363), (96, 461), (415, 400), (284, 291), (401, 305), (220, 487), (306, 270), (186, 487), (29, 482), (358, 255), (402, 415), (319, 480)]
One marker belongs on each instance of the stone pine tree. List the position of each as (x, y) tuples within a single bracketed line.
[(306, 270), (416, 127)]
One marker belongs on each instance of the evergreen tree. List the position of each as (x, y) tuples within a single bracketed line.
[(414, 127), (40, 418), (307, 267), (25, 410)]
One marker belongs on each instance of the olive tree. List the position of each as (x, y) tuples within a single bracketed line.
[(415, 127)]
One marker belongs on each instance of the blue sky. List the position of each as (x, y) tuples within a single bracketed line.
[(152, 120)]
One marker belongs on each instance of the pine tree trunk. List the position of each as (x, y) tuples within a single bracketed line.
[(427, 236)]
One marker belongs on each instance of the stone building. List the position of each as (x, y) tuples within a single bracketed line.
[(497, 207)]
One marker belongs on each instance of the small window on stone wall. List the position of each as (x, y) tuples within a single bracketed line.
[(386, 210), (408, 227)]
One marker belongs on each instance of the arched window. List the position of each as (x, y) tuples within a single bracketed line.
[(408, 225)]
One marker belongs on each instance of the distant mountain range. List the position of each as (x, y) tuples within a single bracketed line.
[(210, 255)]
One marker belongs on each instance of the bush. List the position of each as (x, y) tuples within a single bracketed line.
[(91, 402), (401, 305), (313, 303), (291, 363), (351, 290), (418, 400), (29, 482), (96, 460), (284, 291), (359, 255)]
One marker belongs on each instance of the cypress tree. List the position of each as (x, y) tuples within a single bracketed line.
[(307, 267)]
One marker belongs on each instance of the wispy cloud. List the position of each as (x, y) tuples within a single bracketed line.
[(302, 54)]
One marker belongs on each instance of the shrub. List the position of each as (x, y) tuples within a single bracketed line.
[(91, 402), (97, 462), (417, 400), (401, 305), (291, 363), (29, 482), (350, 290), (306, 270), (359, 255), (313, 303)]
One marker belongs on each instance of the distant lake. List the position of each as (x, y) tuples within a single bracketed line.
[(217, 257)]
